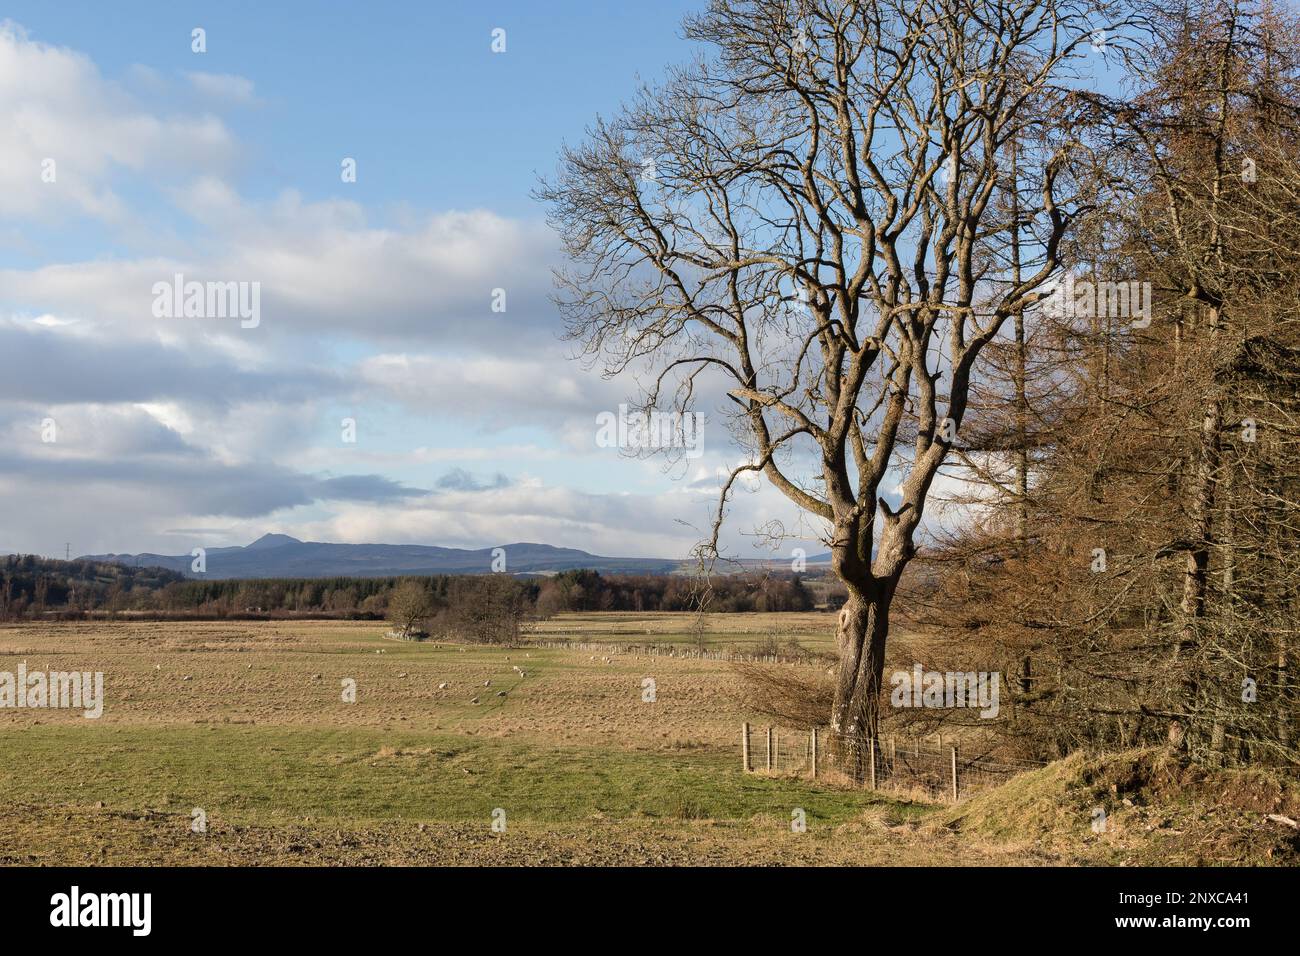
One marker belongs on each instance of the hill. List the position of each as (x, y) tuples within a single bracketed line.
[(283, 556), (28, 581)]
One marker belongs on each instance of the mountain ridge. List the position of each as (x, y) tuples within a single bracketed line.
[(284, 556)]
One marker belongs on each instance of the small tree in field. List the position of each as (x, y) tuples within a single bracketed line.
[(484, 609), (409, 606), (814, 222)]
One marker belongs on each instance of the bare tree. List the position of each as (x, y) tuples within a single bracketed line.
[(805, 220), (409, 606)]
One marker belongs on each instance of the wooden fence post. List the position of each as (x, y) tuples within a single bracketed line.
[(769, 748), (776, 751), (814, 753), (872, 744), (744, 745), (955, 788)]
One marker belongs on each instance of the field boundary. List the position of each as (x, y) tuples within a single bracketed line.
[(888, 762)]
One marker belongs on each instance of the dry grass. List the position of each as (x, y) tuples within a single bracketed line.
[(290, 674), (1158, 811), (247, 721), (814, 630)]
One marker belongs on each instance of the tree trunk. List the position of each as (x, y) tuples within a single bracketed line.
[(1196, 574), (861, 636), (1203, 501), (1020, 375), (1284, 695)]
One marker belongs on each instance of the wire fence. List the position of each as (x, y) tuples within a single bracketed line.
[(888, 762)]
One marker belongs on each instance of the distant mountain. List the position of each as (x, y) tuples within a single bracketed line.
[(282, 556), (273, 541)]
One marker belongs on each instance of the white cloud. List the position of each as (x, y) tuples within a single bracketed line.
[(322, 270), (55, 105), (223, 86), (192, 423), (484, 389), (663, 524)]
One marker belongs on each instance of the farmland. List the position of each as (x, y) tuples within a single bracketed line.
[(247, 723)]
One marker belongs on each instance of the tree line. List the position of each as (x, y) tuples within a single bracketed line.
[(33, 587), (591, 591), (1137, 480)]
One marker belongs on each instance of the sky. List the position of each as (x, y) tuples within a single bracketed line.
[(377, 397)]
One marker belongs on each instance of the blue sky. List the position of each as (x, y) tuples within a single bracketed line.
[(473, 428), (126, 158), (410, 89)]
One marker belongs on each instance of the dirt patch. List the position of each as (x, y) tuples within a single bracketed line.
[(40, 837)]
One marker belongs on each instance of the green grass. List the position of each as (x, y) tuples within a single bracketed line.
[(274, 775)]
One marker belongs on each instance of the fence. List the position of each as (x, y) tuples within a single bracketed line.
[(886, 762)]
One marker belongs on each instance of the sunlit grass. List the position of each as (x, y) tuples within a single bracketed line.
[(275, 774)]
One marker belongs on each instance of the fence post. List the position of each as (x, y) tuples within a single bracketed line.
[(873, 763), (744, 745), (814, 753), (769, 748), (955, 788), (776, 751)]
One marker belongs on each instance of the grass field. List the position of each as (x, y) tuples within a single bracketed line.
[(247, 722), (813, 630)]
